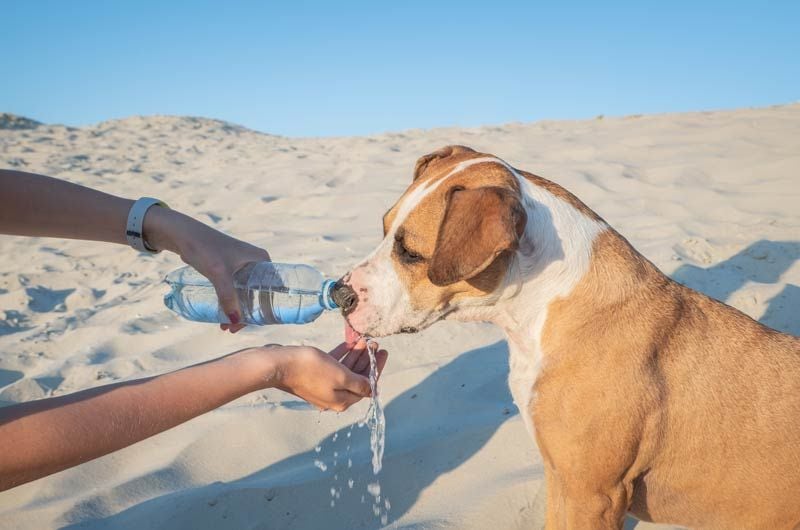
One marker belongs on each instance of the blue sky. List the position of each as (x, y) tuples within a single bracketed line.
[(340, 68)]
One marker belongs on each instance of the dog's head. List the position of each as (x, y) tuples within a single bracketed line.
[(448, 243)]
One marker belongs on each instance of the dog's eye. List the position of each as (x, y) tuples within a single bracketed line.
[(407, 256)]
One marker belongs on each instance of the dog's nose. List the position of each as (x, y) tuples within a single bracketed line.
[(344, 296)]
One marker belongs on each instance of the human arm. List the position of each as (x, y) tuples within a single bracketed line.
[(42, 437), (41, 206)]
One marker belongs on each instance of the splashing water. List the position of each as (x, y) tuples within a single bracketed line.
[(376, 422), (374, 418)]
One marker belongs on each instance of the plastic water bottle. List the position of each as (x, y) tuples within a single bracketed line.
[(269, 293)]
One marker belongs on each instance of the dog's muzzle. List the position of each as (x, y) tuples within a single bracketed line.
[(344, 296)]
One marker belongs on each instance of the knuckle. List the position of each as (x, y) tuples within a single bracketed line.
[(310, 351), (217, 270)]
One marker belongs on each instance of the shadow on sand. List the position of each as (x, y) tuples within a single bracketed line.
[(761, 262), (419, 422)]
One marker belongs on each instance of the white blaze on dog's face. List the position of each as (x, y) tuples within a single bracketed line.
[(448, 243)]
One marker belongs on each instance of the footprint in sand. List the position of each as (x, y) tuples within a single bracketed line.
[(49, 383), (214, 217), (44, 300), (146, 325), (13, 322), (54, 251), (9, 376)]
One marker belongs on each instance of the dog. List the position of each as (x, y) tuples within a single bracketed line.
[(644, 396)]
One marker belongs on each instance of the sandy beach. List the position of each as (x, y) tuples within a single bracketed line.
[(712, 198)]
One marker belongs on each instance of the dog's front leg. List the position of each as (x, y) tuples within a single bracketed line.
[(555, 518), (576, 506)]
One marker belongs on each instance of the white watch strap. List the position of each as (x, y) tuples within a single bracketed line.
[(136, 220)]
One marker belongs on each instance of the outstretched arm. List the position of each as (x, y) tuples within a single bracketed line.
[(46, 436), (36, 205)]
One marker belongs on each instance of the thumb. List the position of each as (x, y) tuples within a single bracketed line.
[(228, 300), (358, 384), (381, 357)]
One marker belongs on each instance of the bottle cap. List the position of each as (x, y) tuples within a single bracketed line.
[(325, 297)]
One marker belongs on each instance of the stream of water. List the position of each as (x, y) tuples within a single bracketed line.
[(374, 419)]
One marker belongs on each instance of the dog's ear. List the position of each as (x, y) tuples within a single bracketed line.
[(444, 152), (478, 225)]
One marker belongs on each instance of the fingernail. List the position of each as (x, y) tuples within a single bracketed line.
[(233, 317)]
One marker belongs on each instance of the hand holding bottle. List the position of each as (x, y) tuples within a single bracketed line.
[(215, 255)]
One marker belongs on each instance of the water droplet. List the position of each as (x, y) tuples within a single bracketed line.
[(374, 489)]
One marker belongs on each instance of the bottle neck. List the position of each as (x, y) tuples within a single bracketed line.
[(325, 298)]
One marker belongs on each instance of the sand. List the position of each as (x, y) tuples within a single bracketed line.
[(711, 197)]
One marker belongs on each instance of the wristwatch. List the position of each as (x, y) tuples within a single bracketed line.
[(133, 231)]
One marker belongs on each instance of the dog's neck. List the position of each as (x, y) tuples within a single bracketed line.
[(554, 254)]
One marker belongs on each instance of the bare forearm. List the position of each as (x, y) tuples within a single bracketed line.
[(36, 205), (42, 437)]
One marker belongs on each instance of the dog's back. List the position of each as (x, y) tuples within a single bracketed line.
[(705, 399), (732, 421)]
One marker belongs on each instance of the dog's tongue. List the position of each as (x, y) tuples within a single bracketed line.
[(351, 336)]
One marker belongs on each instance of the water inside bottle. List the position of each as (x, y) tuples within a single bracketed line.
[(279, 305), (194, 297)]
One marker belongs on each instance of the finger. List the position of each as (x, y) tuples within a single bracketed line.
[(380, 358), (339, 351), (351, 336), (235, 328), (357, 384), (362, 365), (355, 354), (228, 301), (344, 400)]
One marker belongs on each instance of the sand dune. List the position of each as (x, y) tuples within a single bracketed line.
[(712, 198)]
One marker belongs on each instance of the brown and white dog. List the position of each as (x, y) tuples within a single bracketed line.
[(643, 395)]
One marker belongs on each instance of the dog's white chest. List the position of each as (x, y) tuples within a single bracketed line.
[(523, 370)]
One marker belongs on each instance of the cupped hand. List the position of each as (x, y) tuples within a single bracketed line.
[(354, 355), (213, 254), (328, 381)]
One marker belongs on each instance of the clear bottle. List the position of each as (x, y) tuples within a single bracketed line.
[(269, 293)]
